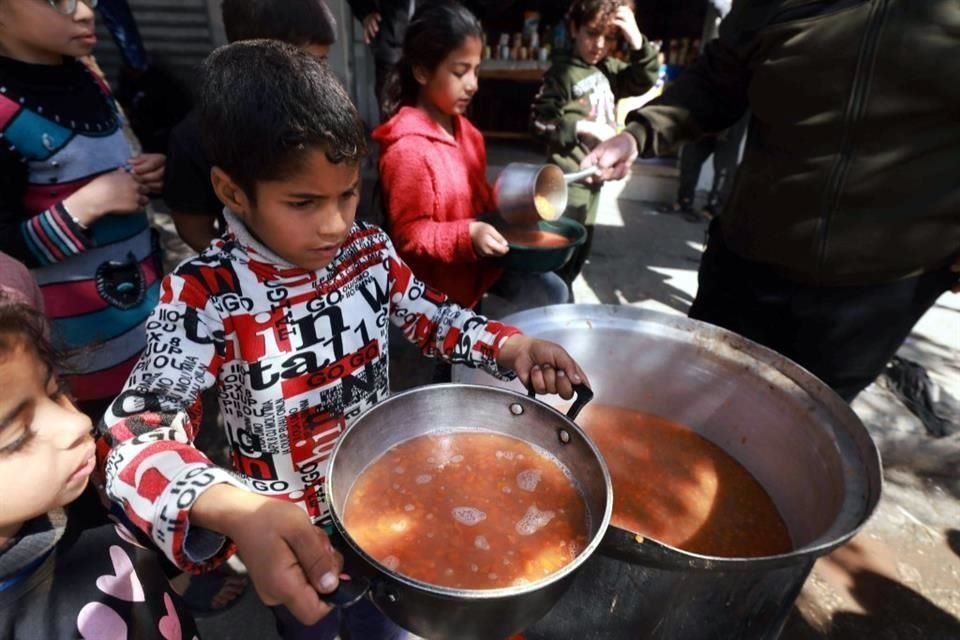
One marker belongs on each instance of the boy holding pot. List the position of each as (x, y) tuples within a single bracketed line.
[(287, 315)]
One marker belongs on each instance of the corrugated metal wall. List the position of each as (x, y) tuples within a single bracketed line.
[(180, 33), (177, 33)]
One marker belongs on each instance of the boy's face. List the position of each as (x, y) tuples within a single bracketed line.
[(32, 31), (46, 448), (450, 87), (304, 218), (593, 41)]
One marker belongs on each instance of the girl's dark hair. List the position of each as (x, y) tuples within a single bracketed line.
[(583, 12), (437, 28), (297, 22), (21, 324)]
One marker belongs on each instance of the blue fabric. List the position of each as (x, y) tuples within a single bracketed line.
[(121, 24), (101, 326), (24, 573), (36, 137)]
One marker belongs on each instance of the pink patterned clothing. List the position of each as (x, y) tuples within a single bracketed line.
[(295, 355)]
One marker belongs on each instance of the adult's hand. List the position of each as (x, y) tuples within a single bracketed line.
[(613, 157), (371, 27)]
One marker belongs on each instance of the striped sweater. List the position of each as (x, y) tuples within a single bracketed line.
[(295, 356), (59, 129)]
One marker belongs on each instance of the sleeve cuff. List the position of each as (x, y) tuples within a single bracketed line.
[(503, 333), (54, 235), (191, 549), (465, 250)]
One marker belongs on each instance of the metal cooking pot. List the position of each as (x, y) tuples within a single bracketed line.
[(798, 439), (527, 193), (443, 613)]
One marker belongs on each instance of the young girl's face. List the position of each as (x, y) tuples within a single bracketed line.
[(46, 447), (33, 31), (450, 87)]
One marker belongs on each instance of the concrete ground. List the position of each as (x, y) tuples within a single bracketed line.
[(900, 578)]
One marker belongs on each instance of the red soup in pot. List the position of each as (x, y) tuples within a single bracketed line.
[(673, 485), (468, 509)]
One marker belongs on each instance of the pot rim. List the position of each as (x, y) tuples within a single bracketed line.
[(479, 594)]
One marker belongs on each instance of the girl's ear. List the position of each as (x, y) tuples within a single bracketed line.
[(229, 192), (421, 75)]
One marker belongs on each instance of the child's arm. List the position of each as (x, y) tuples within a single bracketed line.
[(637, 76), (408, 184), (153, 470), (460, 336), (550, 119), (196, 512), (59, 232)]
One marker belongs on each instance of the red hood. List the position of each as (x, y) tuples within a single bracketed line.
[(410, 121)]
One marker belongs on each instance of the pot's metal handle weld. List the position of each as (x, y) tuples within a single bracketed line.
[(349, 593), (584, 395)]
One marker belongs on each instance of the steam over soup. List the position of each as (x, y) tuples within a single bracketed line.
[(671, 484), (467, 509)]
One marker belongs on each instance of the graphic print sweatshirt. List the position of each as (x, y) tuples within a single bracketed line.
[(295, 356)]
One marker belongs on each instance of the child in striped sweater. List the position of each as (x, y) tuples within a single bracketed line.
[(72, 195)]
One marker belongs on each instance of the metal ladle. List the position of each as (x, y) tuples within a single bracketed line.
[(528, 193)]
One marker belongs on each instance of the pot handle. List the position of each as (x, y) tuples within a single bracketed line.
[(584, 395), (349, 593)]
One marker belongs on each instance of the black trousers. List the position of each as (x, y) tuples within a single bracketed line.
[(843, 335)]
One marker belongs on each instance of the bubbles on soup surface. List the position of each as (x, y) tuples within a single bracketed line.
[(533, 520), (468, 516), (424, 478), (529, 479), (480, 542)]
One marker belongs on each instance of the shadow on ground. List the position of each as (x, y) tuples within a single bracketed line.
[(637, 261)]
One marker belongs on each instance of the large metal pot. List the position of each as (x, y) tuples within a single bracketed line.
[(798, 439), (441, 613)]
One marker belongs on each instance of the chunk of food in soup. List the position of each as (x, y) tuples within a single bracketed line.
[(468, 509), (534, 237), (675, 486)]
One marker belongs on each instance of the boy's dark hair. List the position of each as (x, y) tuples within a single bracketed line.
[(435, 30), (583, 12), (265, 104), (21, 324), (298, 22)]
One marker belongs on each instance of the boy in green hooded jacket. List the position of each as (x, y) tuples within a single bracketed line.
[(575, 108)]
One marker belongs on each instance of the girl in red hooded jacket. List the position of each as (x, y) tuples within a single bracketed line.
[(433, 167)]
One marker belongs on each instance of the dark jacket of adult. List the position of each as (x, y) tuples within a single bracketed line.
[(851, 173)]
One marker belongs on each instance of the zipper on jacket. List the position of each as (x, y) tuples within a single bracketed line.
[(856, 103)]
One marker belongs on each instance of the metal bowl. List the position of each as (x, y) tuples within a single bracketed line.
[(530, 259)]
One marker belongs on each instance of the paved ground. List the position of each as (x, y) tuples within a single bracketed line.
[(900, 578)]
